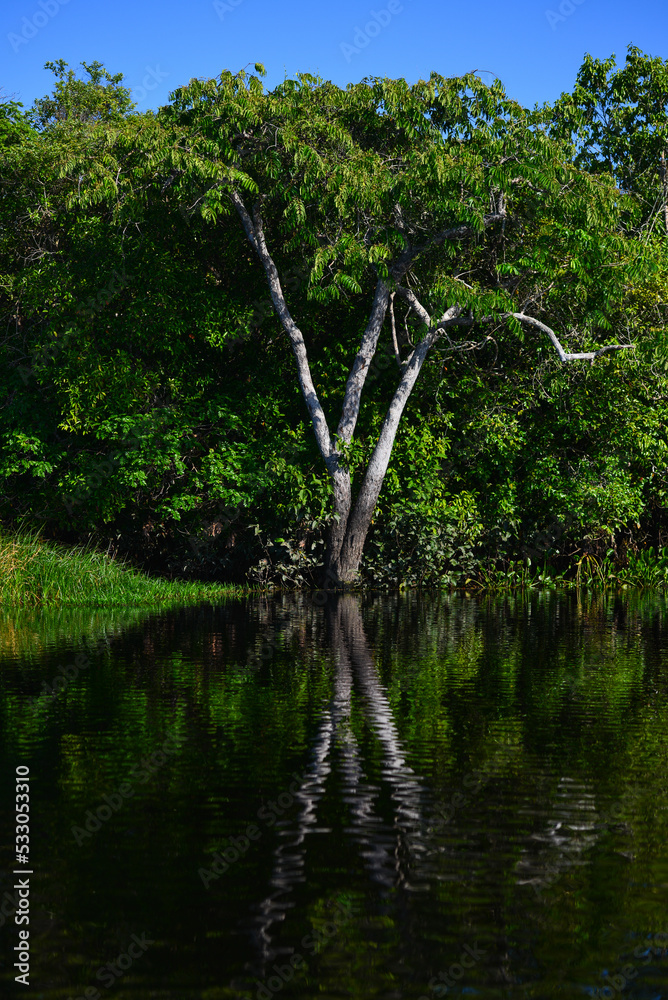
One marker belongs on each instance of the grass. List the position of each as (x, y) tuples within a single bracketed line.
[(38, 573)]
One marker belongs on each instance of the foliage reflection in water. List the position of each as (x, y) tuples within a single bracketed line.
[(391, 797)]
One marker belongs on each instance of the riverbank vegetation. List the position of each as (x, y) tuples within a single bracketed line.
[(34, 573), (398, 412)]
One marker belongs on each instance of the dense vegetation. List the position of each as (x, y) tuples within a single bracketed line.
[(149, 399)]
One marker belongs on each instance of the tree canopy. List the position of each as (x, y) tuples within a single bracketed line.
[(617, 121), (433, 254)]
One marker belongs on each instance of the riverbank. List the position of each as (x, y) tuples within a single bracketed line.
[(34, 572)]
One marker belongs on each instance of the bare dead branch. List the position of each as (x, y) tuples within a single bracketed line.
[(563, 355), (394, 331)]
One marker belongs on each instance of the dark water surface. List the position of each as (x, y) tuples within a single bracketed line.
[(384, 797)]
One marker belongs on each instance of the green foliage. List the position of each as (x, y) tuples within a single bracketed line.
[(646, 569), (14, 124), (617, 121), (643, 569), (82, 102), (149, 392)]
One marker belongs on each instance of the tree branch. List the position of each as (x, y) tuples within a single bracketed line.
[(453, 317), (393, 326), (404, 261), (563, 355), (358, 372), (414, 303), (255, 232)]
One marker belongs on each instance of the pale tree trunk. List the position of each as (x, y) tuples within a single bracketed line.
[(349, 413), (360, 518), (329, 448), (342, 501), (663, 171)]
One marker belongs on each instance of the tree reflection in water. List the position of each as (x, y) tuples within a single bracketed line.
[(389, 852)]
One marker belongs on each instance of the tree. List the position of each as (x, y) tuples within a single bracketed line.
[(617, 120), (399, 186), (395, 191), (74, 101), (444, 201)]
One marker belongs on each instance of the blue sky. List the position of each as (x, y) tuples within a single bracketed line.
[(534, 46)]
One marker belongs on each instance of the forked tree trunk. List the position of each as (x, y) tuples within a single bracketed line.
[(351, 521), (343, 565)]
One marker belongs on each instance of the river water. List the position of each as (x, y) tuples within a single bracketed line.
[(378, 797)]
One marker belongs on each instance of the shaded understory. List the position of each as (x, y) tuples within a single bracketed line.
[(35, 572)]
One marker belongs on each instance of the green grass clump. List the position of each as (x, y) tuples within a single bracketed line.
[(34, 572)]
